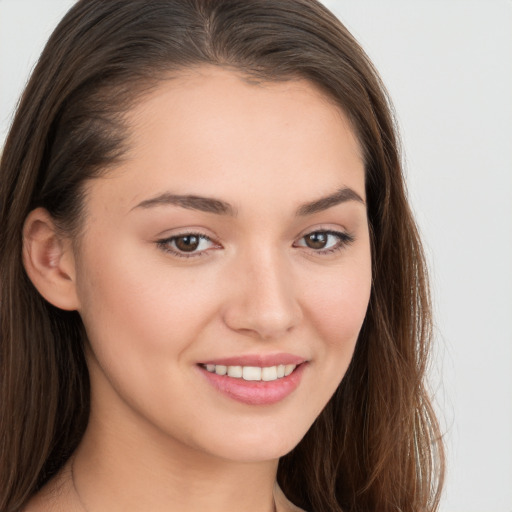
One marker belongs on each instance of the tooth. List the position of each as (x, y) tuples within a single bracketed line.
[(269, 373), (235, 371), (220, 369), (289, 369), (251, 373)]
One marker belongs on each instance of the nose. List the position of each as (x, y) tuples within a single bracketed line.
[(263, 302)]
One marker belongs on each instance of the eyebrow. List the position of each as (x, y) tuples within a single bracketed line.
[(190, 202), (340, 196), (219, 207)]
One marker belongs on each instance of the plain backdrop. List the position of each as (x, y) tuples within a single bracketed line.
[(448, 67)]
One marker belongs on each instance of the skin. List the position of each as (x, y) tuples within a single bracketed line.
[(159, 433)]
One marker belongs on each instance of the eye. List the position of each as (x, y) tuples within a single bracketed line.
[(326, 241), (187, 245)]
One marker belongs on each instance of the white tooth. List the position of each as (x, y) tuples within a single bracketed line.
[(269, 373), (280, 371), (251, 373), (289, 369), (210, 368), (220, 369), (235, 371)]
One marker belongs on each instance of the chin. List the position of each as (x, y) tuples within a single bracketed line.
[(257, 444)]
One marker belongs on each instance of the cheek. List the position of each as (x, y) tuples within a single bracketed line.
[(140, 311), (339, 302), (141, 319), (337, 308), (341, 312)]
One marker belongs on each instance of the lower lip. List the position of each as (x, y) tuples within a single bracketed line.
[(256, 392)]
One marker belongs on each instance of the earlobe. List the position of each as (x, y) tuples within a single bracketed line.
[(49, 261)]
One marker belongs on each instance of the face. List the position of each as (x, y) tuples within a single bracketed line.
[(234, 234)]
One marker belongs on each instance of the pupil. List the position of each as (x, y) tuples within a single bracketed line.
[(316, 240), (187, 243)]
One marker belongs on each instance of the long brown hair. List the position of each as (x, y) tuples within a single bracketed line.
[(376, 446)]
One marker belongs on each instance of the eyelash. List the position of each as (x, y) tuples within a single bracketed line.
[(345, 240)]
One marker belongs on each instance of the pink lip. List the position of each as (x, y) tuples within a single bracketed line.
[(262, 360), (255, 392)]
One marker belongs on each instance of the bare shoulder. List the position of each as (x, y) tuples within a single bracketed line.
[(55, 496), (283, 504)]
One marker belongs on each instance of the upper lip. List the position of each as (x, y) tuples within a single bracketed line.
[(261, 360)]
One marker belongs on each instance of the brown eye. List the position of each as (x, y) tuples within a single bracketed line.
[(317, 240), (323, 242), (187, 243)]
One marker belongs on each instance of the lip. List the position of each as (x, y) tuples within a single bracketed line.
[(255, 392), (261, 360)]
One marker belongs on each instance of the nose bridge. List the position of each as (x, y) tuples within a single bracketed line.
[(265, 301)]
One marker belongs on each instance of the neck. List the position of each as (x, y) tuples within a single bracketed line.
[(129, 468)]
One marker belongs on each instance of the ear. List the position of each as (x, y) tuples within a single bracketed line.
[(49, 261)]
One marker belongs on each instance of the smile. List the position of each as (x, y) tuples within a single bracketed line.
[(252, 373), (254, 385)]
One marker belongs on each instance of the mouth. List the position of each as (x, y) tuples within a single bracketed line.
[(254, 385), (252, 373)]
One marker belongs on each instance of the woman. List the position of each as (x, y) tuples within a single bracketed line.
[(213, 292)]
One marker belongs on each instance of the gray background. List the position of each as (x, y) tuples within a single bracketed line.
[(447, 65)]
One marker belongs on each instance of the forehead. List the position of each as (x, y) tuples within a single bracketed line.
[(213, 132)]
